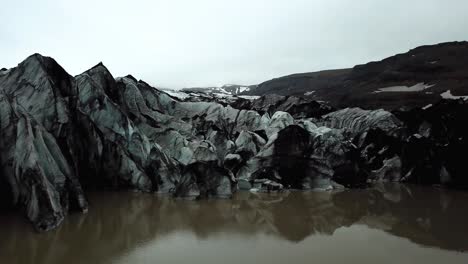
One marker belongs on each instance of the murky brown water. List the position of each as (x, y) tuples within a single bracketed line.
[(387, 224)]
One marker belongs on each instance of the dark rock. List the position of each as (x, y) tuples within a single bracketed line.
[(298, 107), (232, 162), (241, 103), (379, 156), (292, 150), (435, 156)]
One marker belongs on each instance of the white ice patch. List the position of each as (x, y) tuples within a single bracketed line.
[(243, 89), (433, 62), (415, 88), (249, 97), (176, 94), (448, 95), (220, 89), (309, 93)]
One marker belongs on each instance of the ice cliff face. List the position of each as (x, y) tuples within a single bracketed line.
[(61, 134)]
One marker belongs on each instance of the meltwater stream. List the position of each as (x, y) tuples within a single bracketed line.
[(388, 223)]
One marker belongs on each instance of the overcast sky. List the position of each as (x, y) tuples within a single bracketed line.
[(185, 43)]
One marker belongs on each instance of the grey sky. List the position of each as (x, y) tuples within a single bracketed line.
[(177, 43)]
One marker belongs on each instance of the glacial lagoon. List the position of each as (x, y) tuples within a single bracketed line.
[(388, 223)]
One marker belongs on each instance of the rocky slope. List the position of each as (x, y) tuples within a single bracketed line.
[(60, 135), (417, 78)]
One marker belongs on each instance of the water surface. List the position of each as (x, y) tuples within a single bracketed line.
[(386, 224)]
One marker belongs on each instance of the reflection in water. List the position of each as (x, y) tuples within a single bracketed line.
[(383, 222)]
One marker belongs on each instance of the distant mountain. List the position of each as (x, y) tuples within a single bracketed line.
[(417, 78), (230, 89)]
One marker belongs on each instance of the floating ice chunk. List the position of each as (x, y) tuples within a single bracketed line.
[(427, 106)]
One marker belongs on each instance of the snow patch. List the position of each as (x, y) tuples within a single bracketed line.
[(224, 91), (249, 97), (243, 89), (309, 93), (176, 94), (448, 95), (415, 88), (212, 90)]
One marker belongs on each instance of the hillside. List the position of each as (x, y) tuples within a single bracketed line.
[(417, 78)]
